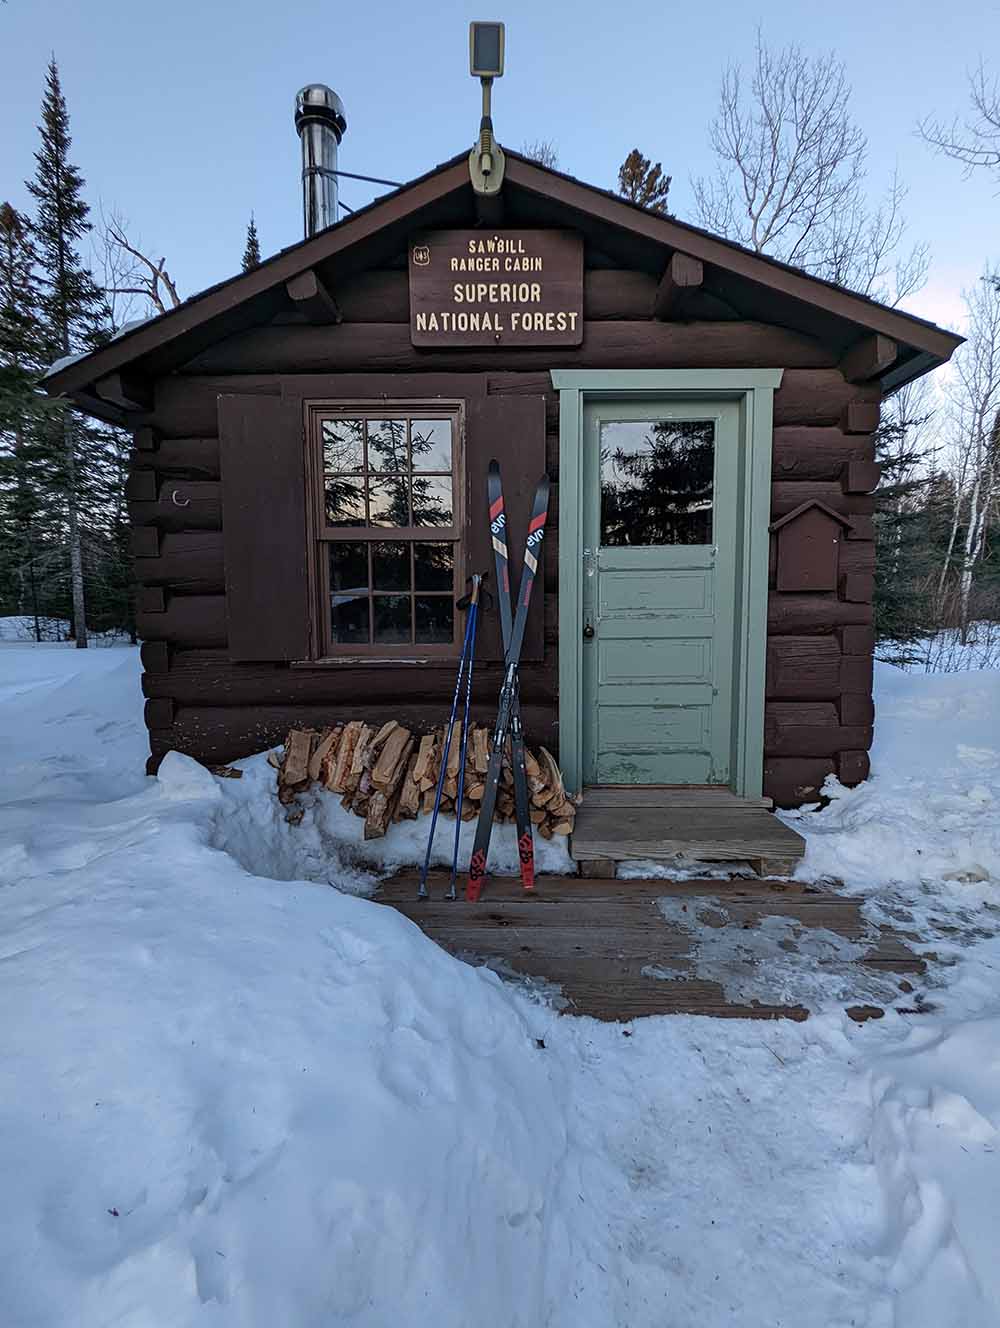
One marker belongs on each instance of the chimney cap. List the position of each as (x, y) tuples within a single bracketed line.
[(316, 103)]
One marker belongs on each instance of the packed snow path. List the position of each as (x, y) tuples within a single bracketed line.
[(235, 1100)]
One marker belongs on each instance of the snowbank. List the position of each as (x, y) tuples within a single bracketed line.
[(930, 810), (233, 1100), (329, 845)]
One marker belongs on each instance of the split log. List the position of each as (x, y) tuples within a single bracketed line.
[(455, 752), (396, 748), (552, 775), (425, 754), (295, 767), (382, 736), (480, 747), (337, 780), (381, 807), (408, 807), (359, 759), (325, 750)]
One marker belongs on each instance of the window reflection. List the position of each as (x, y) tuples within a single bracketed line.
[(431, 500), (344, 445), (657, 482), (387, 449)]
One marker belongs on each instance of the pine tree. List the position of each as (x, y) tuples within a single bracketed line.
[(908, 527), (24, 416), (641, 182), (251, 254), (73, 308)]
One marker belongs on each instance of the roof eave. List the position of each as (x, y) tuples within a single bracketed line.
[(281, 267), (930, 346)]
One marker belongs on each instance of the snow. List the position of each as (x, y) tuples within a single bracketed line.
[(250, 1099), (63, 362), (329, 845)]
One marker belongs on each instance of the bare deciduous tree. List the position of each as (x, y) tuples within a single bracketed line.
[(975, 141), (974, 401), (132, 273), (790, 176), (543, 151)]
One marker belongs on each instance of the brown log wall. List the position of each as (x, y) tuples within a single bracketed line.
[(818, 713)]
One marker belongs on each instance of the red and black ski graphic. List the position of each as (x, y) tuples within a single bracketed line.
[(508, 723)]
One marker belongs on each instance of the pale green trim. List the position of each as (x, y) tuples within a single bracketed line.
[(615, 381), (754, 388), (752, 639), (570, 586)]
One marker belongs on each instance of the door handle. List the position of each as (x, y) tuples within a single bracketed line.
[(588, 630)]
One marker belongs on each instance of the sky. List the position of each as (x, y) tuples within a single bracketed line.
[(181, 114)]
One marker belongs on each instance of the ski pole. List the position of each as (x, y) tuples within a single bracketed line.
[(469, 623), (464, 745)]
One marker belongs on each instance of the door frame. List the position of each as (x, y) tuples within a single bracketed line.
[(754, 390)]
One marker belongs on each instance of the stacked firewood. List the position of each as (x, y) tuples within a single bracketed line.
[(391, 774)]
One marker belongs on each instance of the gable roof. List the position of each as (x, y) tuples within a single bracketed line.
[(760, 287), (819, 506)]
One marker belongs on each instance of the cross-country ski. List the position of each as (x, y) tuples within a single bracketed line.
[(508, 723)]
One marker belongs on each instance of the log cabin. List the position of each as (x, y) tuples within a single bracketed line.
[(307, 487)]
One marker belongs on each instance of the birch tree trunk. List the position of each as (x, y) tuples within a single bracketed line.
[(975, 399)]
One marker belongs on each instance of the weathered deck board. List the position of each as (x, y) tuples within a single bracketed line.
[(699, 824), (593, 938)]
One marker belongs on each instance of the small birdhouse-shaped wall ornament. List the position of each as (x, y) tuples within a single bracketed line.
[(809, 547)]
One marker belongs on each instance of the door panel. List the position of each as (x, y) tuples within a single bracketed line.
[(660, 516)]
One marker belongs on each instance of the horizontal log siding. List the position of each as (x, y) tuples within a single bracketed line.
[(386, 348), (819, 646), (819, 712), (220, 734), (214, 704)]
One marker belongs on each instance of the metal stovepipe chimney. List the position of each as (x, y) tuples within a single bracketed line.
[(320, 121)]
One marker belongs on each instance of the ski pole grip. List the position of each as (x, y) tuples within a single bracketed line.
[(476, 593)]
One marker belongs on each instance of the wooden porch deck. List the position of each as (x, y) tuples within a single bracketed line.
[(694, 824), (609, 948)]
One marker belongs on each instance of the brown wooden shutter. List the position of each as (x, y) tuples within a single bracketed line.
[(512, 430), (262, 458)]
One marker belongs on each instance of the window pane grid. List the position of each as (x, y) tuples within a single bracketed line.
[(387, 479)]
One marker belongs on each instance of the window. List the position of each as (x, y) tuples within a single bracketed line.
[(657, 481), (388, 529)]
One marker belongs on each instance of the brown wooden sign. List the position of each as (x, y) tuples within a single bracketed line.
[(496, 288)]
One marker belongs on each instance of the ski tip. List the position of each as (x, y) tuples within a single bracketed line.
[(494, 467)]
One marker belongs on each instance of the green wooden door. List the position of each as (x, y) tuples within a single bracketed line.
[(659, 538)]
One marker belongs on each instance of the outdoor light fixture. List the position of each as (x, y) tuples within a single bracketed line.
[(486, 52)]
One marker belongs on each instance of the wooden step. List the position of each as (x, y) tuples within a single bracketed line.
[(711, 796), (701, 825)]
